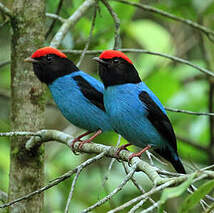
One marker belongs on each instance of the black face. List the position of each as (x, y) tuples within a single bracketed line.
[(117, 71), (50, 67)]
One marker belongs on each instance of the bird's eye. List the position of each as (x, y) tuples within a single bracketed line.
[(49, 58), (116, 61)]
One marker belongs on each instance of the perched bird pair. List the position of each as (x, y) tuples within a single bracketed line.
[(125, 105)]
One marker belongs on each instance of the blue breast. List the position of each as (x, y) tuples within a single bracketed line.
[(128, 115), (75, 106)]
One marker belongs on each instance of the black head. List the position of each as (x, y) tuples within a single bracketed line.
[(50, 64), (116, 68)]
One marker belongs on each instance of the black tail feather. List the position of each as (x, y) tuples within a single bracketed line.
[(172, 158)]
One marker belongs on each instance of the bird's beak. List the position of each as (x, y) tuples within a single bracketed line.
[(30, 60), (100, 60)]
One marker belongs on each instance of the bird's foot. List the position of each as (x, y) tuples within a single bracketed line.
[(123, 147), (98, 132), (138, 154), (84, 142), (78, 139)]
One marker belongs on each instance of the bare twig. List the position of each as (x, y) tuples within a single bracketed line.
[(4, 63), (89, 37), (111, 163), (173, 58), (11, 134), (141, 197), (54, 21), (102, 201), (188, 22), (5, 10), (137, 206), (155, 205), (70, 22), (55, 181), (55, 17), (72, 188), (117, 40), (189, 112)]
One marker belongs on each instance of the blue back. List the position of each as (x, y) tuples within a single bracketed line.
[(75, 106), (128, 115)]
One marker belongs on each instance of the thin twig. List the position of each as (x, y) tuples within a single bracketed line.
[(117, 40), (154, 206), (70, 22), (137, 206), (11, 134), (72, 189), (141, 197), (54, 21), (55, 181), (4, 63), (173, 58), (89, 37), (102, 201), (55, 17), (188, 22), (5, 10), (111, 162), (189, 112)]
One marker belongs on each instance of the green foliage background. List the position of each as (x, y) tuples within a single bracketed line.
[(176, 85)]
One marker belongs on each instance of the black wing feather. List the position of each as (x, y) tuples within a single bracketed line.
[(159, 120), (93, 95)]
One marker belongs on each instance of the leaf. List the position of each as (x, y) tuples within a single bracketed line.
[(194, 198), (176, 191)]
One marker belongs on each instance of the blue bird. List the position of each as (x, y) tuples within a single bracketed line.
[(78, 95), (134, 111)]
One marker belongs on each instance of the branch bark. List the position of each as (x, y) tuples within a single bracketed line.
[(201, 28), (27, 107), (71, 21)]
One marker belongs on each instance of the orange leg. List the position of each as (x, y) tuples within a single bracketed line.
[(139, 153), (123, 147), (98, 132), (78, 138)]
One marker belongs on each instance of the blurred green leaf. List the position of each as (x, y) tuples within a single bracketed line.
[(176, 191), (194, 198)]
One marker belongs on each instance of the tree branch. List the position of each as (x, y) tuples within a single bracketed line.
[(55, 181), (4, 63), (71, 21), (117, 40), (54, 21), (123, 183), (173, 58), (89, 37), (5, 10), (201, 28), (55, 17)]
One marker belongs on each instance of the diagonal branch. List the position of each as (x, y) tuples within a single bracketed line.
[(201, 28), (117, 40), (54, 21), (89, 37), (55, 181), (123, 183), (5, 10), (73, 19), (55, 17)]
